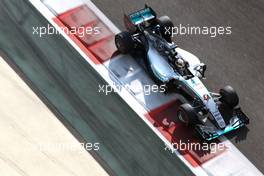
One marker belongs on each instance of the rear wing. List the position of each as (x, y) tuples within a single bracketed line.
[(138, 17), (142, 15)]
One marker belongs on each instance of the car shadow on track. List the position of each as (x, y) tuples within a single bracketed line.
[(127, 73)]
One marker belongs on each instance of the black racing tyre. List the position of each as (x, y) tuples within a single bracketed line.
[(187, 115), (229, 97), (166, 27), (124, 42)]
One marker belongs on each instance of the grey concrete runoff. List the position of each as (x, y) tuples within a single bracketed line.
[(33, 140)]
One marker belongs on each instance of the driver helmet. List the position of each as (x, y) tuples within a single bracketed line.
[(180, 63)]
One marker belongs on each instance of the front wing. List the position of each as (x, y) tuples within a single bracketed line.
[(238, 120)]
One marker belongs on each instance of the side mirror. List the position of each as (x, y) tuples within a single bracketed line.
[(201, 70)]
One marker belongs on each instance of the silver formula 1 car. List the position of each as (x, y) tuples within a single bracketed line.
[(180, 71)]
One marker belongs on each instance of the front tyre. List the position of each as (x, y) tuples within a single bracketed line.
[(187, 115), (124, 42), (229, 97)]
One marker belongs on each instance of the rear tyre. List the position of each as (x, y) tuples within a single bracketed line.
[(187, 115), (166, 27), (124, 42), (229, 97)]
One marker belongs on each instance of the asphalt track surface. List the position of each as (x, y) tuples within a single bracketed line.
[(236, 59), (69, 87)]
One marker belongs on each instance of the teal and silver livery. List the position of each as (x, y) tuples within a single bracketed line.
[(181, 72)]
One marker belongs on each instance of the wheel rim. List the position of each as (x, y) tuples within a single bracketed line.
[(117, 41), (182, 117)]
